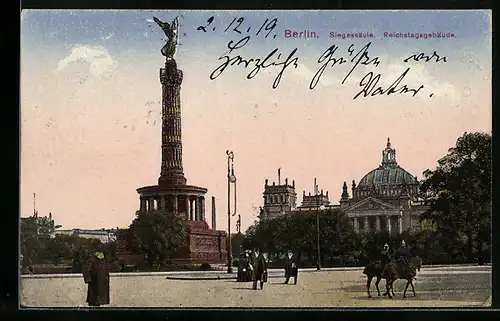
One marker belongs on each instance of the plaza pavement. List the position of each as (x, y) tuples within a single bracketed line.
[(444, 286)]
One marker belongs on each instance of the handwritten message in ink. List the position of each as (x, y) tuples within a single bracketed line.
[(333, 57)]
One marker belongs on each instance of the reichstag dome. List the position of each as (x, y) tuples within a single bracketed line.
[(385, 199)]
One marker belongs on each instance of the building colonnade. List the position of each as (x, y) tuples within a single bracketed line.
[(369, 223), (192, 206)]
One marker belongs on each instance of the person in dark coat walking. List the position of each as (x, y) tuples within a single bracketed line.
[(244, 270), (96, 275), (291, 268), (260, 270)]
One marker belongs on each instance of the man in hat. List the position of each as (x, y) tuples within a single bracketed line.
[(291, 268), (96, 275), (259, 269)]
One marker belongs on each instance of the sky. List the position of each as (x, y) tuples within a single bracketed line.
[(91, 103)]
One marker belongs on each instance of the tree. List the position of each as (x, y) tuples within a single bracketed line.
[(35, 236), (62, 247), (236, 244), (458, 192), (82, 250), (158, 234), (298, 232)]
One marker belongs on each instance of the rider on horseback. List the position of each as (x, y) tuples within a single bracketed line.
[(384, 256), (403, 253), (403, 256)]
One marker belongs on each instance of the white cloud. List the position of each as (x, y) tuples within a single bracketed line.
[(420, 75), (306, 74), (99, 59), (108, 36)]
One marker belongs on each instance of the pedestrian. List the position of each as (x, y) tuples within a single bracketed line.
[(243, 268), (260, 270), (291, 268), (96, 275)]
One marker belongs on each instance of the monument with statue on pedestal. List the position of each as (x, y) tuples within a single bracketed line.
[(203, 244)]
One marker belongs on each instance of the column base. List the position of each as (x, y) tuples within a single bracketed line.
[(172, 180)]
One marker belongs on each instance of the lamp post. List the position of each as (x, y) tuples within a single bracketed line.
[(230, 179), (320, 208)]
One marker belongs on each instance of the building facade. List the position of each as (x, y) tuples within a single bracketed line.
[(103, 235), (278, 199), (385, 199)]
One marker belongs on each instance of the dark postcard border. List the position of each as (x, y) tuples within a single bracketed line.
[(257, 4), (261, 314), (9, 282)]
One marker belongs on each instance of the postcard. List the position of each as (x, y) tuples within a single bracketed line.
[(243, 159)]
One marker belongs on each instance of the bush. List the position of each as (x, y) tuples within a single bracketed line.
[(236, 263), (205, 267)]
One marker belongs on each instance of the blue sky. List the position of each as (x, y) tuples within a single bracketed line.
[(90, 110), (64, 28)]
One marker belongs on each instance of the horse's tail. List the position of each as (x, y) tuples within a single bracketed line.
[(417, 262), (365, 271)]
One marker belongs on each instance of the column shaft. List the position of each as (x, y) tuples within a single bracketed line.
[(188, 208), (377, 223), (194, 209), (367, 225), (175, 204), (202, 207), (163, 204)]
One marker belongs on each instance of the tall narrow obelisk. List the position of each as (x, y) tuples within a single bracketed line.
[(171, 132)]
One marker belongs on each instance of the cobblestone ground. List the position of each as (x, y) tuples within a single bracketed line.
[(436, 287)]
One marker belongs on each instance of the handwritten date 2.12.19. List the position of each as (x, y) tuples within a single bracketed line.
[(237, 25)]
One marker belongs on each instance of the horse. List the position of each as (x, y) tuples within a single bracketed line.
[(398, 270), (372, 270)]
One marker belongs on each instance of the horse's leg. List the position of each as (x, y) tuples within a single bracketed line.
[(388, 286), (368, 283), (413, 288), (377, 282), (392, 287), (387, 279), (406, 288)]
